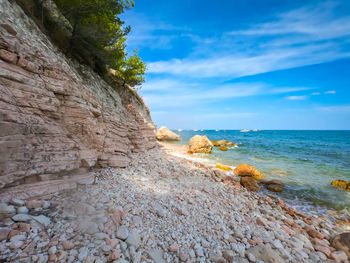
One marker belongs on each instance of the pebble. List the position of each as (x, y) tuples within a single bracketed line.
[(43, 220), (277, 244), (122, 233), (7, 209), (83, 253), (17, 202), (67, 245), (22, 210), (106, 248), (156, 255), (22, 218), (88, 227), (251, 257), (133, 239), (137, 220)]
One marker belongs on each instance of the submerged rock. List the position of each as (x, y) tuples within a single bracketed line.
[(250, 183), (223, 148), (247, 170), (200, 144), (341, 184), (222, 143), (274, 185), (342, 242), (164, 134), (223, 167)]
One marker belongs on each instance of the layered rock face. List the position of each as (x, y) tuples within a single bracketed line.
[(58, 118)]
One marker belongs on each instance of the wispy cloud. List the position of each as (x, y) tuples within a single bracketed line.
[(296, 38), (177, 93), (330, 92), (296, 97), (315, 93), (336, 109)]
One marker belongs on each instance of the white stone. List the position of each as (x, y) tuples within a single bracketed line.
[(122, 233)]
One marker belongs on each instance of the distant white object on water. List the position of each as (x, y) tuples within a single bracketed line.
[(245, 130), (202, 130), (217, 130), (179, 130), (195, 130)]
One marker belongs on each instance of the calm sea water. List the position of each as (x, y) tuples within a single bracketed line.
[(306, 161)]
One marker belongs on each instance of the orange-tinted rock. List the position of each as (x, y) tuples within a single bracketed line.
[(341, 184), (13, 233), (223, 148), (114, 255), (67, 245), (200, 144), (32, 204), (324, 250), (249, 183), (23, 227), (247, 170)]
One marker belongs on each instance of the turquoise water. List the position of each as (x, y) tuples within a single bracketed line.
[(306, 161)]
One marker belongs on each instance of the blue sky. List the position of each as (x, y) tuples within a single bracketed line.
[(244, 64)]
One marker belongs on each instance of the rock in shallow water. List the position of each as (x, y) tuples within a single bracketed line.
[(247, 170), (250, 183), (200, 144)]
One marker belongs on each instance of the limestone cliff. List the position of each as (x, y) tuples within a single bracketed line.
[(57, 117)]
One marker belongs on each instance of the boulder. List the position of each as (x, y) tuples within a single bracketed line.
[(223, 148), (341, 184), (247, 170), (200, 144), (250, 183), (274, 185), (342, 242), (164, 134)]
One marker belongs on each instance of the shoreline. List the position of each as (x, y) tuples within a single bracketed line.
[(164, 208), (180, 150)]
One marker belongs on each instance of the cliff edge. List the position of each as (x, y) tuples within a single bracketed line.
[(58, 118)]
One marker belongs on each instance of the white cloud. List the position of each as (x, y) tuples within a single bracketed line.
[(180, 93), (311, 22), (336, 109), (315, 93), (296, 97), (330, 92), (300, 37)]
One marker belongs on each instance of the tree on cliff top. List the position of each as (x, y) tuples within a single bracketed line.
[(99, 35)]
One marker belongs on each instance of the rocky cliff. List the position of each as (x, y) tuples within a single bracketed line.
[(58, 119)]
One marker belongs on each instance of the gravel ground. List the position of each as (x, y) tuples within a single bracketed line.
[(163, 208)]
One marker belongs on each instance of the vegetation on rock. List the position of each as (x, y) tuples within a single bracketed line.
[(92, 32)]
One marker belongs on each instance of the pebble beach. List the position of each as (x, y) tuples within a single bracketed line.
[(165, 208)]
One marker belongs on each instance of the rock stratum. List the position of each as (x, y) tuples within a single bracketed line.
[(59, 118)]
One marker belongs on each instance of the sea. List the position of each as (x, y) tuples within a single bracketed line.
[(306, 161)]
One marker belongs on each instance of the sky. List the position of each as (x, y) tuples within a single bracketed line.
[(244, 64)]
